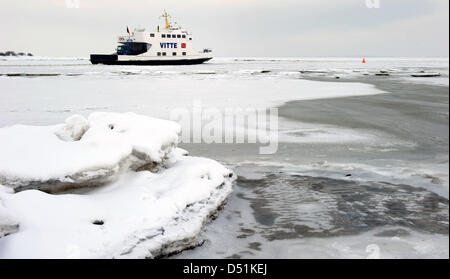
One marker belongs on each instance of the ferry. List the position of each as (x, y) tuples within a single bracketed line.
[(169, 46)]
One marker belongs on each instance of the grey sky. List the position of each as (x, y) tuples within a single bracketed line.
[(288, 28)]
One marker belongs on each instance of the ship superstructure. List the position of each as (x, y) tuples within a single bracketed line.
[(170, 45)]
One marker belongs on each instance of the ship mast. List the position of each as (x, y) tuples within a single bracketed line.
[(166, 18)]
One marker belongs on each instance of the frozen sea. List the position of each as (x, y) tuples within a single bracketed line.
[(361, 168)]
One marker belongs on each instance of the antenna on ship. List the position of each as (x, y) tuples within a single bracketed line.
[(166, 18)]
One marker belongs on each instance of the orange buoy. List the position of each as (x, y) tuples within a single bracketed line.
[(364, 60)]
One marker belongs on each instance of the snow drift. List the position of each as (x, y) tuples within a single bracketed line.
[(83, 152), (147, 198)]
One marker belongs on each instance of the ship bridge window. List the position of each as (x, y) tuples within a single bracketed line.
[(184, 36), (178, 36), (132, 48), (190, 39), (174, 36), (163, 35), (152, 35)]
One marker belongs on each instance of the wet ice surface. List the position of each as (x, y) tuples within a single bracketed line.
[(292, 206), (350, 173), (277, 214)]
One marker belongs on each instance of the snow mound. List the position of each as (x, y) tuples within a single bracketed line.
[(83, 152), (142, 215)]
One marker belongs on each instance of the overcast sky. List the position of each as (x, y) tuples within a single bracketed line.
[(286, 28)]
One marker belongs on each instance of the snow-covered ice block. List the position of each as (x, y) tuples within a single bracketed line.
[(83, 152), (142, 214)]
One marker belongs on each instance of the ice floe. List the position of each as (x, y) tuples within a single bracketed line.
[(146, 197), (82, 151)]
